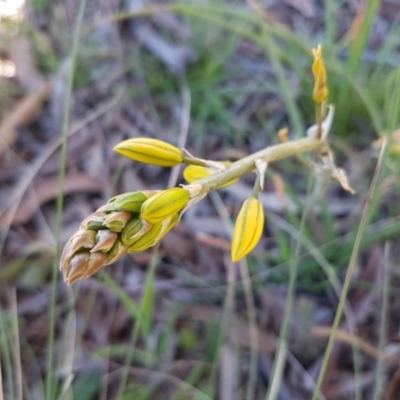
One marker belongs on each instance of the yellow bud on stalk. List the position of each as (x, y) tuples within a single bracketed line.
[(163, 204), (248, 228), (150, 151), (193, 173), (320, 92)]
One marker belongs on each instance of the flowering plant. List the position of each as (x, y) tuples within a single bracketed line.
[(134, 222)]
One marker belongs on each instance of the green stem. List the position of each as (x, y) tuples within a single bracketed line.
[(247, 164), (281, 351), (194, 161), (349, 275), (318, 119), (257, 186), (60, 203)]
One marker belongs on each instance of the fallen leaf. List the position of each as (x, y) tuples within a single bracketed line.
[(48, 190), (22, 113)]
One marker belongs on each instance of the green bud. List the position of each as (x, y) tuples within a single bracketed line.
[(116, 221), (130, 230), (128, 201), (146, 240), (164, 204), (94, 221), (116, 252), (150, 151)]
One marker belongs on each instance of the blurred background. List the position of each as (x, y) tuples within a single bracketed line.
[(180, 321)]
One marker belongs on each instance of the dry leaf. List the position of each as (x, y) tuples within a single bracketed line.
[(48, 190), (341, 176), (22, 113)]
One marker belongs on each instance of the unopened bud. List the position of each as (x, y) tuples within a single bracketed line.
[(94, 221), (116, 252), (96, 261), (193, 173), (105, 240), (116, 221), (128, 201), (130, 230), (320, 92), (81, 240), (248, 228), (150, 151), (146, 240), (169, 224), (83, 265), (164, 204)]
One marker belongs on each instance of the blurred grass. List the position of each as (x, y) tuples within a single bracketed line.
[(365, 108)]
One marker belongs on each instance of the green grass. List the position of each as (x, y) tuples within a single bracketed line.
[(317, 253)]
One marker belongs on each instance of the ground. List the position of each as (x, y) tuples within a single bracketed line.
[(181, 321)]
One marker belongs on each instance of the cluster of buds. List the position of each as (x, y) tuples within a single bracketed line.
[(134, 222), (128, 223)]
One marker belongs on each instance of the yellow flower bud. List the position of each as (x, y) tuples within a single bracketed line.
[(320, 92), (147, 240), (128, 202), (150, 151), (193, 173), (163, 204), (248, 228)]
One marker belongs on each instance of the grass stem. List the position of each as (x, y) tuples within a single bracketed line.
[(49, 391)]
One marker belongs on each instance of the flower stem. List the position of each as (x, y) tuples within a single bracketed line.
[(269, 154)]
